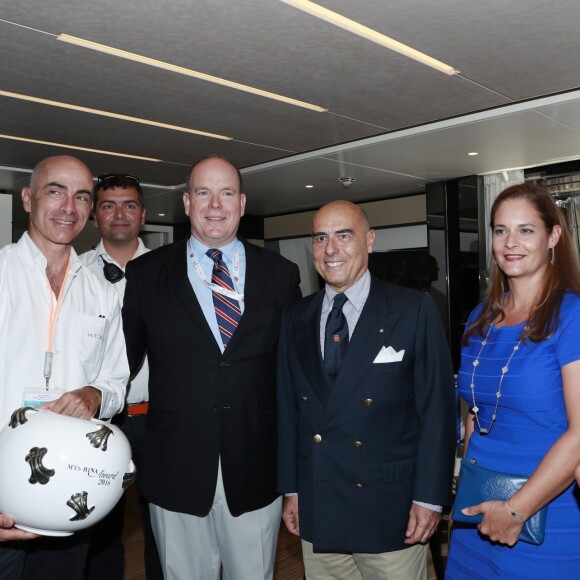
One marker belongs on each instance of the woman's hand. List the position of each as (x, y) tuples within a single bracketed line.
[(498, 523)]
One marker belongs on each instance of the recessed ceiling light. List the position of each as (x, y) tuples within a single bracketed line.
[(370, 34), (26, 140), (309, 186), (109, 114), (473, 153), (184, 71), (161, 215)]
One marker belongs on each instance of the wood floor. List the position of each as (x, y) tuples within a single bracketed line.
[(288, 556)]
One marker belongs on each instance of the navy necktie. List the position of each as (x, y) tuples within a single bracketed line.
[(227, 310), (335, 337)]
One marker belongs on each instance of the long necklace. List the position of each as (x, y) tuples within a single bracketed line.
[(504, 370)]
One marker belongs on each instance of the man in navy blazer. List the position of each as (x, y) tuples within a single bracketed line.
[(366, 456), (209, 464)]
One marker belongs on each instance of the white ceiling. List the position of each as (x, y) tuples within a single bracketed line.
[(392, 123)]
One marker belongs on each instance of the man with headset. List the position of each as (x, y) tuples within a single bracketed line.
[(118, 212)]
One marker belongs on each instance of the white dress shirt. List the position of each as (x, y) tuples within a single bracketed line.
[(88, 343), (138, 389)]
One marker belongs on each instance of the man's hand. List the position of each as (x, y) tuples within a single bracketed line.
[(290, 514), (423, 523), (9, 533), (82, 403)]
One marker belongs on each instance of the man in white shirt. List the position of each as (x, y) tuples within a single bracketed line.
[(61, 340), (119, 212)]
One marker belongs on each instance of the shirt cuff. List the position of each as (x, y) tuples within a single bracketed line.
[(429, 506)]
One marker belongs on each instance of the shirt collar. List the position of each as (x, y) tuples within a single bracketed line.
[(40, 259), (357, 294), (200, 249), (100, 250)]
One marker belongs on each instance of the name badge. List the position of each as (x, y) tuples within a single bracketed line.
[(36, 397)]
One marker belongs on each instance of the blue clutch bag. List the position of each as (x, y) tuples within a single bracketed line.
[(478, 484)]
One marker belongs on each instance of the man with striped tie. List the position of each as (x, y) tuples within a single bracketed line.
[(208, 310)]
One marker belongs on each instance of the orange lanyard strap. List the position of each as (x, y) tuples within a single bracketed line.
[(54, 309)]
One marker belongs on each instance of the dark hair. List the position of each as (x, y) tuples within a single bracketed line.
[(190, 170), (112, 180), (562, 273)]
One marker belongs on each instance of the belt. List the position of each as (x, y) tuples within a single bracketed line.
[(138, 409)]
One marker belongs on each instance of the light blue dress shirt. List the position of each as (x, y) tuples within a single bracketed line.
[(203, 293)]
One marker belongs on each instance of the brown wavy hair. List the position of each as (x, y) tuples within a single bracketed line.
[(561, 276)]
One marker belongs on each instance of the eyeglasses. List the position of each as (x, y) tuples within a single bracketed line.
[(117, 176)]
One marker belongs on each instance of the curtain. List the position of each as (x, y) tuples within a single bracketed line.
[(571, 209)]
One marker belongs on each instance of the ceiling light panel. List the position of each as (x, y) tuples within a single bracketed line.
[(185, 71), (109, 114), (370, 34), (77, 148)]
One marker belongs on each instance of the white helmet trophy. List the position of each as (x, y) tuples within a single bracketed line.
[(61, 474)]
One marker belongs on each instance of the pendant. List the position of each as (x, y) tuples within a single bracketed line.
[(483, 431)]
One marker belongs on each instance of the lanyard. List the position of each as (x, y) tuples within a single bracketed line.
[(216, 287), (54, 309)]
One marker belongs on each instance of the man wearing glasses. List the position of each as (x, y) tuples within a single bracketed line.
[(119, 212), (61, 342)]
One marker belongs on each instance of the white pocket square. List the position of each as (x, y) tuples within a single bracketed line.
[(388, 354)]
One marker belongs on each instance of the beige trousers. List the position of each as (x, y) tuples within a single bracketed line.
[(408, 564)]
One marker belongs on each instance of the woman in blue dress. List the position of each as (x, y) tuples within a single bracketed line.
[(520, 374)]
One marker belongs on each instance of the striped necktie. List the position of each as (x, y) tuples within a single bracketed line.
[(227, 310)]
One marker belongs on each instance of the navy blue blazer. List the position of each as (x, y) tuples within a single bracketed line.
[(358, 453)]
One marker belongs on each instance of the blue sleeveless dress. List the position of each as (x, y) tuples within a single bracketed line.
[(531, 416)]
